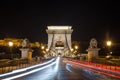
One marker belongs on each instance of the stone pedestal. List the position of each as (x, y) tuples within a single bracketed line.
[(92, 50), (92, 53), (30, 54), (26, 53)]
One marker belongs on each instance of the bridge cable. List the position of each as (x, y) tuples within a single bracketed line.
[(67, 42), (52, 41)]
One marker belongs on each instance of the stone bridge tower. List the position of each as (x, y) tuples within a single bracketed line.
[(59, 39)]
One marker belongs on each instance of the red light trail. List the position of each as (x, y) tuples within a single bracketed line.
[(96, 68)]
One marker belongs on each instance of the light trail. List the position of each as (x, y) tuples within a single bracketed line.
[(24, 69), (99, 66), (32, 71), (67, 67), (90, 68), (102, 66), (57, 64)]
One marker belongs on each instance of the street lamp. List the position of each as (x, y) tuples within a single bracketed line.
[(10, 44), (42, 47), (72, 50), (76, 47), (47, 49), (109, 43)]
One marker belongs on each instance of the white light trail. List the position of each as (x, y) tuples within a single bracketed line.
[(67, 67), (57, 64), (32, 71), (24, 69)]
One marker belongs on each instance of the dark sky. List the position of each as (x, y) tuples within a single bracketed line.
[(89, 19)]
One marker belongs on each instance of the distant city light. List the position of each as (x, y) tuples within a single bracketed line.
[(47, 49), (110, 52), (42, 47), (10, 44), (72, 49), (109, 43), (76, 47)]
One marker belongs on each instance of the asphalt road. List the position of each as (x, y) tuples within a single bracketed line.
[(64, 71)]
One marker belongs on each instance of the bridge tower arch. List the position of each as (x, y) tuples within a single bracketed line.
[(59, 40)]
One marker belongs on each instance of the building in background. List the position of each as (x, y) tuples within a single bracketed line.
[(17, 42)]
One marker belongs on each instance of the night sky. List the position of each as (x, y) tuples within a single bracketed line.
[(90, 19)]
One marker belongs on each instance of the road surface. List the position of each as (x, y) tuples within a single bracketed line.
[(64, 71)]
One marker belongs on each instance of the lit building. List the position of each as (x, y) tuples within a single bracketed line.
[(17, 42)]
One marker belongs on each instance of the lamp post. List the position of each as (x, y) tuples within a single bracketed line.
[(76, 47), (47, 49), (76, 50), (42, 47), (10, 44), (72, 50), (109, 43)]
